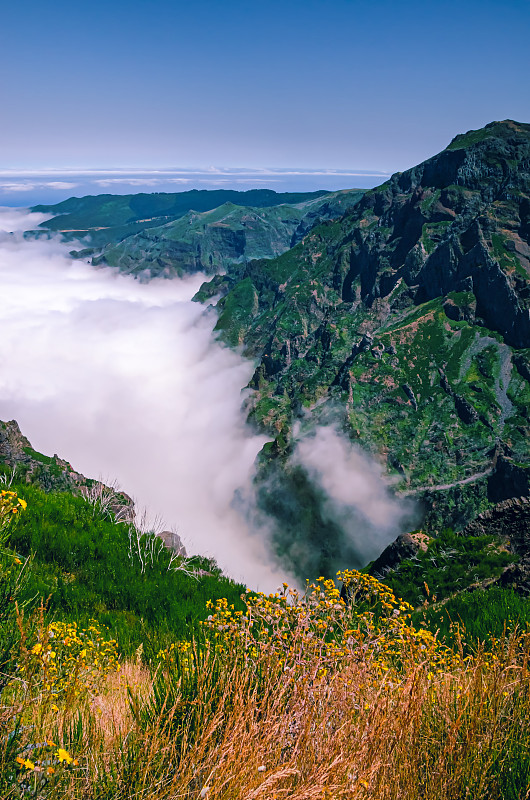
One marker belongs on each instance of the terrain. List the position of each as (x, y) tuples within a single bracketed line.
[(400, 315), (168, 235), (406, 321), (126, 669)]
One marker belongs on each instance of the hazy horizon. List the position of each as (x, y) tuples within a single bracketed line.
[(26, 188)]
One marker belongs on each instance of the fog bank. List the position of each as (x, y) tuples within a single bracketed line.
[(357, 496), (126, 381)]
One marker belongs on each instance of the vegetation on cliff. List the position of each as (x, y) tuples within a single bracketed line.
[(407, 320), (122, 674)]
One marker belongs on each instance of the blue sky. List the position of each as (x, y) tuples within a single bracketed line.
[(340, 84)]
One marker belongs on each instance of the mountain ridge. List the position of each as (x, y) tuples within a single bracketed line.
[(408, 321)]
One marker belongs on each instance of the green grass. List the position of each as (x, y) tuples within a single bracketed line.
[(82, 564), (484, 614), (39, 456), (451, 563)]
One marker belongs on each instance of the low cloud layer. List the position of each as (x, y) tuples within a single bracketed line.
[(126, 381), (33, 187), (357, 496)]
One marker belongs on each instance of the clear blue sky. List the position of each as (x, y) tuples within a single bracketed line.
[(311, 83)]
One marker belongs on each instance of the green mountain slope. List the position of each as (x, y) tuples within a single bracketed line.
[(109, 218), (90, 560), (408, 320), (215, 240)]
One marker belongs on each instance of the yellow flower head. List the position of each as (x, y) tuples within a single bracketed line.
[(63, 756)]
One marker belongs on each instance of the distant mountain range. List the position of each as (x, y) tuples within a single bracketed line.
[(106, 219)]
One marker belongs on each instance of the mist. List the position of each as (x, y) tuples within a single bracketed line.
[(357, 496), (126, 381), (328, 506)]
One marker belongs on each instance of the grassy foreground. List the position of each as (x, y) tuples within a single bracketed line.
[(289, 696)]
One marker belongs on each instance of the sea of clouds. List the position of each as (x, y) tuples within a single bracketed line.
[(49, 186), (127, 382)]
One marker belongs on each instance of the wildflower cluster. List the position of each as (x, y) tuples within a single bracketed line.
[(69, 661), (367, 623), (10, 505), (45, 756), (37, 766)]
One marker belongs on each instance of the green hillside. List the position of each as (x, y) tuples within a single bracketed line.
[(407, 321), (109, 218), (220, 239)]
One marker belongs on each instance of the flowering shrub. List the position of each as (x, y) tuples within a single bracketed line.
[(10, 505), (176, 651), (321, 628), (68, 661)]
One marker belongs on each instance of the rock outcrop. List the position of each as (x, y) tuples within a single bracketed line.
[(509, 520), (173, 542), (405, 546), (53, 473)]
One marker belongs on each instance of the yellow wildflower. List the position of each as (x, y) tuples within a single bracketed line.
[(63, 756)]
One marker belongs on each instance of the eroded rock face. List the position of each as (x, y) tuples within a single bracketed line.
[(509, 520), (53, 473), (173, 542), (12, 442), (409, 319)]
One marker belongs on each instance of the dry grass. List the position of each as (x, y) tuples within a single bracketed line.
[(231, 720), (112, 706), (452, 736)]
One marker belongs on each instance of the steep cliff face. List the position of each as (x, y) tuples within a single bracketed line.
[(409, 316)]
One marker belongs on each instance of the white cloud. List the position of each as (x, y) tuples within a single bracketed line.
[(126, 380), (30, 187), (18, 219)]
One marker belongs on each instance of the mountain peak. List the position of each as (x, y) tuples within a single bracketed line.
[(502, 129)]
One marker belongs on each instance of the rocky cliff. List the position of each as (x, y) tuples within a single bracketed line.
[(407, 319), (49, 472)]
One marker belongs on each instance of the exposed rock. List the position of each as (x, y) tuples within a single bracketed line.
[(458, 312), (405, 546), (509, 520), (410, 394), (508, 480), (173, 542), (463, 407), (52, 473), (517, 576), (423, 284)]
